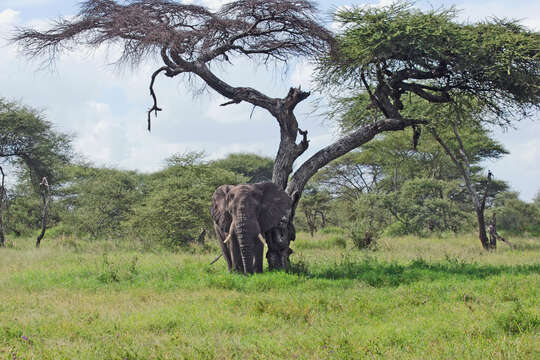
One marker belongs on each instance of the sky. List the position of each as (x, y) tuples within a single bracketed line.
[(104, 106)]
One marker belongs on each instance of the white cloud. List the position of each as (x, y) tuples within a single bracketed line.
[(527, 12), (303, 75), (22, 3), (8, 19)]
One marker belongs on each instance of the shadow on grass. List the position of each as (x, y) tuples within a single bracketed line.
[(381, 274)]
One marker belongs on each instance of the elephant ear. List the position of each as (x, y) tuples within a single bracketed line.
[(221, 217), (275, 205)]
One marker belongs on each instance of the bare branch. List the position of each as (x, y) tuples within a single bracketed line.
[(236, 101), (155, 107), (277, 29)]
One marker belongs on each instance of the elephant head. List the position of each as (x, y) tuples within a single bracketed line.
[(245, 216), (278, 239)]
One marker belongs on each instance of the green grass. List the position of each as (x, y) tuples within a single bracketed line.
[(406, 298)]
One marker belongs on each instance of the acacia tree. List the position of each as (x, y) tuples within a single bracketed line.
[(428, 66), (190, 39), (29, 144)]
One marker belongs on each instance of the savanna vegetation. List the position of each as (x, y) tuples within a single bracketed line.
[(385, 261), (407, 298)]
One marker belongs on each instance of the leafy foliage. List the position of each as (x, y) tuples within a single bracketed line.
[(97, 201), (30, 143), (177, 200), (314, 209), (254, 167), (391, 186), (397, 49), (516, 216)]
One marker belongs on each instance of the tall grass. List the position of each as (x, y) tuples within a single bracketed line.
[(408, 298)]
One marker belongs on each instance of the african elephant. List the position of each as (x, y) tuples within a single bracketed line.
[(248, 215)]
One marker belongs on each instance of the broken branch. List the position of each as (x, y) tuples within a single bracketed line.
[(155, 107), (235, 101)]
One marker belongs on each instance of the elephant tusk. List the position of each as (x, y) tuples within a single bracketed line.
[(261, 239), (231, 229)]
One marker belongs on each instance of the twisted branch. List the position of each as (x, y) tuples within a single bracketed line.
[(155, 107)]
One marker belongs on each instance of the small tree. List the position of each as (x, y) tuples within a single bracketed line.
[(30, 145), (314, 206), (44, 192), (97, 201)]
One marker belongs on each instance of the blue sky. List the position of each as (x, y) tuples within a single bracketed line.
[(105, 107)]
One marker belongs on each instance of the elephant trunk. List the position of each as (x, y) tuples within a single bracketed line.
[(246, 233)]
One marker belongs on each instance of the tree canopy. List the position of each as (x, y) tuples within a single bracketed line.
[(399, 50), (254, 167), (29, 142)]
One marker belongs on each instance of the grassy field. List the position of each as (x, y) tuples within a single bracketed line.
[(409, 298)]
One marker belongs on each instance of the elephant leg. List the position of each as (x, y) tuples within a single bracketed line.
[(224, 248), (272, 254), (236, 257), (258, 251)]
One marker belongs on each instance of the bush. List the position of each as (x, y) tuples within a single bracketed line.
[(362, 238), (396, 229), (339, 241), (515, 216)]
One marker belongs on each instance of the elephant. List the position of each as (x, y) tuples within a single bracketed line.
[(246, 217)]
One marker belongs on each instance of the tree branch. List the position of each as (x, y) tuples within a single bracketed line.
[(294, 97), (343, 146), (238, 94), (483, 203), (231, 102), (155, 107), (463, 167)]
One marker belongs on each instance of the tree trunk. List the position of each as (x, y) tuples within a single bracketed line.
[(2, 197), (2, 237), (323, 219), (482, 235), (44, 187), (493, 235), (200, 238), (464, 167)]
